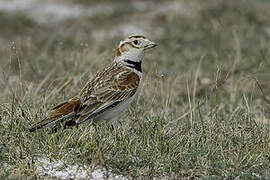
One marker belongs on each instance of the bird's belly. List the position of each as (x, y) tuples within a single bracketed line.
[(114, 113)]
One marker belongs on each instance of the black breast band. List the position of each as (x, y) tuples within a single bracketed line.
[(135, 65)]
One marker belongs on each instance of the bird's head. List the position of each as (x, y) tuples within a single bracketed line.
[(133, 47)]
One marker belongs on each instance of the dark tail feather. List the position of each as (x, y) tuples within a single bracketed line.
[(41, 124), (47, 121)]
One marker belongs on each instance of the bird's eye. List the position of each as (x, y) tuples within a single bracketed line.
[(136, 42)]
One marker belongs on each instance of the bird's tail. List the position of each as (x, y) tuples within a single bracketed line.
[(62, 111), (41, 124)]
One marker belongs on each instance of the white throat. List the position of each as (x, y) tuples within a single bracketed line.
[(135, 55)]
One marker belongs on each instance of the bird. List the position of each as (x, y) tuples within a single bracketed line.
[(107, 93)]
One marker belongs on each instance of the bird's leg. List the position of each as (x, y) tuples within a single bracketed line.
[(70, 123)]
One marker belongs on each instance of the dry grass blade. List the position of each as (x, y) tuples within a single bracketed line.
[(44, 81), (59, 89), (263, 95)]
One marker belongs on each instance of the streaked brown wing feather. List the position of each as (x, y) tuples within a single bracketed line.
[(116, 86), (65, 108), (114, 81)]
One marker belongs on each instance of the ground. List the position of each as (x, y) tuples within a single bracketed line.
[(203, 110)]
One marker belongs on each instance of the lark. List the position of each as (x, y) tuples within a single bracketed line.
[(108, 93)]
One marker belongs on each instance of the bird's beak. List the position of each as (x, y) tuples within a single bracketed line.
[(151, 45)]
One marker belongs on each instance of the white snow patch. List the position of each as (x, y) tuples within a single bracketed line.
[(60, 169)]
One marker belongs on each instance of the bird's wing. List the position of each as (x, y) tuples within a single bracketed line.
[(107, 91)]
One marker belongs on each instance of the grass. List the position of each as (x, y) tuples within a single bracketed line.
[(202, 111)]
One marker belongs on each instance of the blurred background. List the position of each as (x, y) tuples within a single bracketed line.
[(39, 37)]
